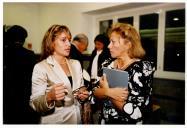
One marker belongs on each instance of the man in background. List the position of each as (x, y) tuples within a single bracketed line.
[(79, 45), (18, 65)]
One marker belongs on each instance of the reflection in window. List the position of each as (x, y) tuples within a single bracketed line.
[(174, 55), (128, 20), (149, 35), (105, 26)]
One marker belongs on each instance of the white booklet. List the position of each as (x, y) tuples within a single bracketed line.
[(116, 78)]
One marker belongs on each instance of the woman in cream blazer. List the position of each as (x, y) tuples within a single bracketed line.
[(54, 79)]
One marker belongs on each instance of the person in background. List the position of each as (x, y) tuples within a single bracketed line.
[(18, 65), (78, 46), (99, 55), (126, 105), (55, 78)]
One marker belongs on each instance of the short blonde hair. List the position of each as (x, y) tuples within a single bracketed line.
[(128, 32)]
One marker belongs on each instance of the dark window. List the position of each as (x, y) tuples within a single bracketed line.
[(104, 26), (174, 54), (128, 20), (149, 35)]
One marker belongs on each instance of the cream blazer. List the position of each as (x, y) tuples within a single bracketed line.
[(45, 74)]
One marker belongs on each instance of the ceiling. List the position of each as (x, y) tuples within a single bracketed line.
[(123, 6)]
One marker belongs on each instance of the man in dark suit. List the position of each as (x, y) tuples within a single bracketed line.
[(79, 45), (18, 65)]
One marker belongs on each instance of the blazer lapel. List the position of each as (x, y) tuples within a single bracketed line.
[(72, 73), (59, 72)]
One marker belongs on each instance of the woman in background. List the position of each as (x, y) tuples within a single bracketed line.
[(99, 55), (126, 105), (55, 78)]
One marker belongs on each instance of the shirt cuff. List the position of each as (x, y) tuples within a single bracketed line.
[(50, 106)]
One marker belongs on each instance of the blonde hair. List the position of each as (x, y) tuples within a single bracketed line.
[(49, 37), (128, 32)]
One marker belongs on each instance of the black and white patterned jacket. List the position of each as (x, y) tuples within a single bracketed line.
[(140, 90)]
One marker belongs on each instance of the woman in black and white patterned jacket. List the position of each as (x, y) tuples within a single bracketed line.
[(126, 105)]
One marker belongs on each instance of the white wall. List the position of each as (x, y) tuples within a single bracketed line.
[(26, 16), (38, 17)]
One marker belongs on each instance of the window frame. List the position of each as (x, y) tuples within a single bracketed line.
[(161, 9)]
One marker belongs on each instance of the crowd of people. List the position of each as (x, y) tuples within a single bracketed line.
[(53, 89)]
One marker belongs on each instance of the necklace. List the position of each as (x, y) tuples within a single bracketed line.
[(63, 63), (124, 66)]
